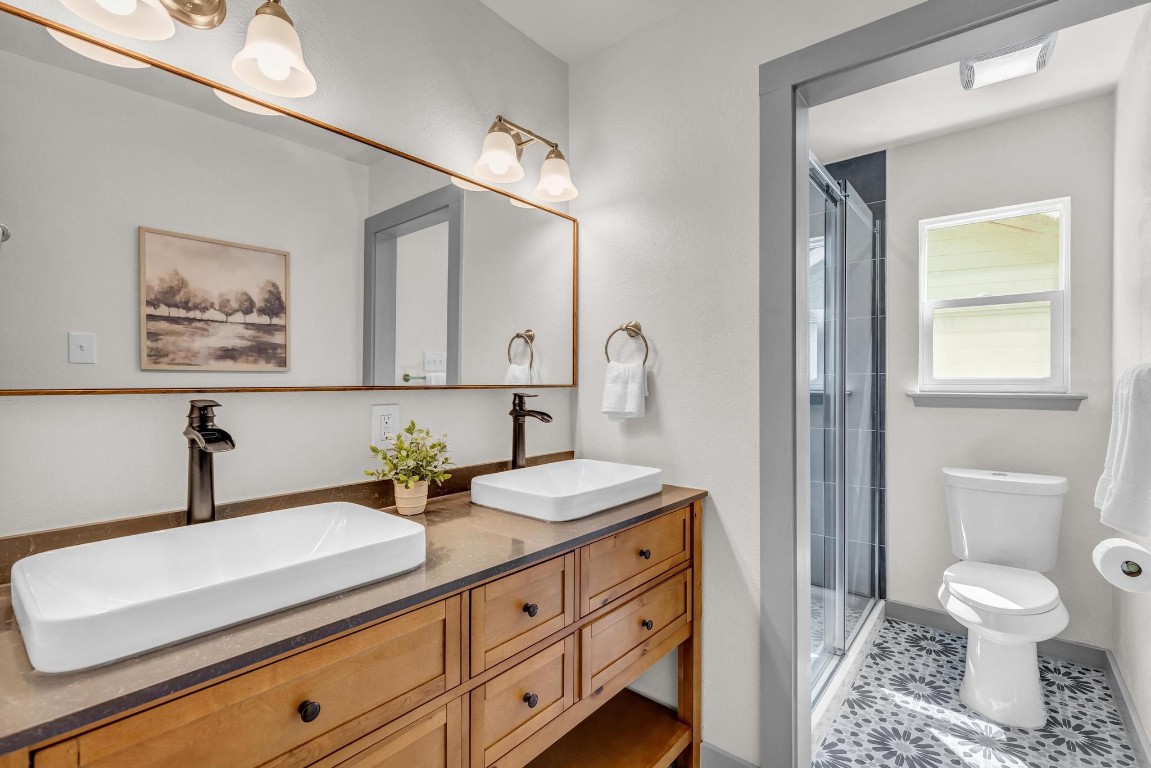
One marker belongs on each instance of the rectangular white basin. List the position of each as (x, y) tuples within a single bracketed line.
[(87, 605), (566, 490)]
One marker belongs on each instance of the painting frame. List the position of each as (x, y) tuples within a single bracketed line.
[(149, 272)]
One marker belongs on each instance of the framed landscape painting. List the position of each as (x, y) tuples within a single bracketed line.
[(210, 305)]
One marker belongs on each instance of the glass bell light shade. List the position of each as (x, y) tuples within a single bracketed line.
[(519, 204), (138, 19), (272, 59), (500, 158), (556, 179), (95, 52)]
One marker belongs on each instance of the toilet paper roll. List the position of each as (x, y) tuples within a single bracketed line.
[(1125, 564)]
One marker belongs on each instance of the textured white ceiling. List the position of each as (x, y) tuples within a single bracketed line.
[(1088, 61), (575, 30)]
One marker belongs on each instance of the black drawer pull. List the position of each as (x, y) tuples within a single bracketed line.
[(647, 624), (645, 554), (531, 609), (309, 710), (531, 700)]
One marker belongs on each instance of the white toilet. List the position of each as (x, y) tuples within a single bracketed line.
[(1005, 527)]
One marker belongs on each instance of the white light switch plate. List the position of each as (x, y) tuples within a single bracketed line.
[(82, 348), (385, 421), (435, 361)]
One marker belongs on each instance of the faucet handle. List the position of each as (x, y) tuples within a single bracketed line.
[(202, 412), (201, 404), (518, 399)]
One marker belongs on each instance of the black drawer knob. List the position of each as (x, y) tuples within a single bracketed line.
[(531, 700), (531, 609), (309, 710), (647, 624), (645, 554)]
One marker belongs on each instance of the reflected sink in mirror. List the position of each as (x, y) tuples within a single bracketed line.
[(87, 605), (566, 490)]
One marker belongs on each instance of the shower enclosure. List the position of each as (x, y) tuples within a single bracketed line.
[(845, 343)]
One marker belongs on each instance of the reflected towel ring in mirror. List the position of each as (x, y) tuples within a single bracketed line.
[(5, 234), (529, 337), (632, 329)]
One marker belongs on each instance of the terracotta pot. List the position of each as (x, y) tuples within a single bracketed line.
[(411, 501)]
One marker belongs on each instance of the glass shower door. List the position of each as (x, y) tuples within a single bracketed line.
[(843, 323)]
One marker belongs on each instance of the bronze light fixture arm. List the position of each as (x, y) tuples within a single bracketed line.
[(531, 136)]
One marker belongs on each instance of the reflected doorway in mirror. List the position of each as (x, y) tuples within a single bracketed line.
[(212, 305)]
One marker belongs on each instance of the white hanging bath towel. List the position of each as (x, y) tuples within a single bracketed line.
[(1124, 490), (625, 391), (521, 374)]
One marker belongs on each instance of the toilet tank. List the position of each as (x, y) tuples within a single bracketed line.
[(1005, 518)]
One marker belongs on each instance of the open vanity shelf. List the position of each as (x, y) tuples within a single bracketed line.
[(529, 667)]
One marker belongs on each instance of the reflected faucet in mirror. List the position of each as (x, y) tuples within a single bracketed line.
[(204, 440), (519, 414)]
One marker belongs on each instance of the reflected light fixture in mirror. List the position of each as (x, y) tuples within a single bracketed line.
[(464, 184), (243, 104), (519, 204), (138, 19), (95, 52), (272, 59), (500, 161), (1019, 60), (197, 14)]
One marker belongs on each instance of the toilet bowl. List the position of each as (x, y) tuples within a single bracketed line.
[(1006, 611), (1005, 529)]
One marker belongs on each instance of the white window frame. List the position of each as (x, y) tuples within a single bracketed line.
[(1060, 379)]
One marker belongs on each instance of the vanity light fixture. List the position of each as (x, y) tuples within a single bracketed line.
[(138, 19), (272, 59), (1014, 61), (197, 14), (500, 161), (519, 204), (95, 52)]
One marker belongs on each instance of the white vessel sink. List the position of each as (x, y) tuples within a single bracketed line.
[(566, 490), (87, 605)]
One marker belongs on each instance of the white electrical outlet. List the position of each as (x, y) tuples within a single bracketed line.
[(385, 421), (435, 361)]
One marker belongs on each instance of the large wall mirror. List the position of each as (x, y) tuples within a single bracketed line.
[(163, 239)]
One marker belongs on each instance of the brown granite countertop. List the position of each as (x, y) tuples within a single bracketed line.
[(466, 543)]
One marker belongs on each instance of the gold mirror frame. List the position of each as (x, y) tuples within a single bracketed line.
[(49, 24)]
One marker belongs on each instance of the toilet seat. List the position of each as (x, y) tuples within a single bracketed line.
[(1001, 589)]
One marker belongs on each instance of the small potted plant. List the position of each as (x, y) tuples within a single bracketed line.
[(413, 459)]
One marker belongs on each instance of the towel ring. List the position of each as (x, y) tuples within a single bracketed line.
[(632, 329), (529, 337)]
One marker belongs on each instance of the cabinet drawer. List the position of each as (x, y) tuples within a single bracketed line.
[(251, 719), (503, 716), (619, 639), (433, 741), (618, 564), (502, 618)]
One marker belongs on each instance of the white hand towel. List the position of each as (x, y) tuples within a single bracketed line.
[(1124, 491), (625, 391), (437, 379), (521, 374)]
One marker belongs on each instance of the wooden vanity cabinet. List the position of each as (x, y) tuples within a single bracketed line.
[(527, 669)]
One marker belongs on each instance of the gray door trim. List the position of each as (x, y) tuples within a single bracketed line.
[(380, 234), (923, 37)]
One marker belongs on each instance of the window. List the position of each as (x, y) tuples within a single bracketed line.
[(993, 300)]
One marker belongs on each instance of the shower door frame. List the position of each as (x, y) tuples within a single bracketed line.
[(926, 36)]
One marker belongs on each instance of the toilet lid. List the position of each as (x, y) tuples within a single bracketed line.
[(1000, 588)]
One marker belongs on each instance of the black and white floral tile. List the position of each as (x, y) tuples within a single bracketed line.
[(904, 711)]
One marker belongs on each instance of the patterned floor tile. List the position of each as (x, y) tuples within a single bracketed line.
[(904, 711)]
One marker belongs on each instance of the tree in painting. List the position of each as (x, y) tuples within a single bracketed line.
[(271, 301)]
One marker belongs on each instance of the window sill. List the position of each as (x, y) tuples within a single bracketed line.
[(1024, 401)]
